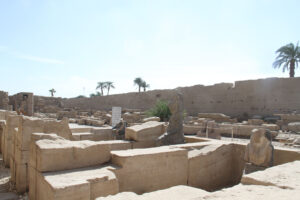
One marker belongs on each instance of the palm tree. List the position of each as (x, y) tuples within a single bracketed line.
[(138, 81), (289, 57), (52, 91), (102, 86), (109, 85), (145, 85)]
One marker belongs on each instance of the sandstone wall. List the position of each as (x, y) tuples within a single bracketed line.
[(244, 98), (4, 100)]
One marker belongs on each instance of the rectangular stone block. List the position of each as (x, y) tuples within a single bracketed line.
[(21, 178), (64, 154), (145, 132), (80, 184), (191, 130), (212, 167), (146, 170)]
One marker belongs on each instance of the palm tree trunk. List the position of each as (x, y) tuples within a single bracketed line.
[(139, 88), (108, 88), (292, 69), (101, 91)]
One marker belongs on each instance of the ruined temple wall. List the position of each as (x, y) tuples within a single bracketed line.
[(244, 98), (47, 104), (4, 100)]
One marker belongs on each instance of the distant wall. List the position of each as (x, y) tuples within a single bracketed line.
[(47, 104), (4, 100), (251, 97)]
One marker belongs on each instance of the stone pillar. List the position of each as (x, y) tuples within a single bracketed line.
[(174, 134)]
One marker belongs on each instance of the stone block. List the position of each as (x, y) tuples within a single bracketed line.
[(79, 184), (146, 170), (64, 154), (157, 119), (294, 127), (211, 167), (145, 132), (21, 178), (191, 130)]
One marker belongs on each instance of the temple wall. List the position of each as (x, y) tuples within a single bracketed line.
[(244, 98)]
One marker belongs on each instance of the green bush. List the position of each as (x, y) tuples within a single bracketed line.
[(160, 110)]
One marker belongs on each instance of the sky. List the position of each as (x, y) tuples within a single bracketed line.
[(70, 45)]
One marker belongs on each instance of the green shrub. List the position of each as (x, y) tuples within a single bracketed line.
[(160, 110)]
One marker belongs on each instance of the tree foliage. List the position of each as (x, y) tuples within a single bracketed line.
[(161, 110), (288, 57)]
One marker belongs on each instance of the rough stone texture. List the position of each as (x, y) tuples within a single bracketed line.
[(79, 184), (146, 170), (157, 119), (174, 193), (95, 134), (4, 100), (294, 126), (286, 176), (260, 149), (251, 192), (174, 134), (191, 129), (255, 122), (145, 132), (132, 117), (55, 155), (243, 98), (218, 117), (22, 103), (214, 166)]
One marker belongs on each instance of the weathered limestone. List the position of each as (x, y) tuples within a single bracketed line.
[(148, 131), (260, 149), (4, 100), (56, 168), (132, 117), (255, 122), (251, 192), (79, 184), (174, 134), (63, 154), (294, 127), (244, 130), (146, 170), (2, 129), (191, 129), (12, 124), (214, 166), (218, 117), (286, 176), (175, 193), (95, 134), (157, 119)]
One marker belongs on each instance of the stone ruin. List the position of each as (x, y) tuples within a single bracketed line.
[(51, 157), (259, 152)]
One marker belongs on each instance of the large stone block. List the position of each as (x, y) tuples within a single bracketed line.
[(191, 130), (211, 167), (146, 131), (146, 170), (79, 184), (54, 155)]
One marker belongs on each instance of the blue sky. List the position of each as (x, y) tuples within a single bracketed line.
[(70, 45)]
